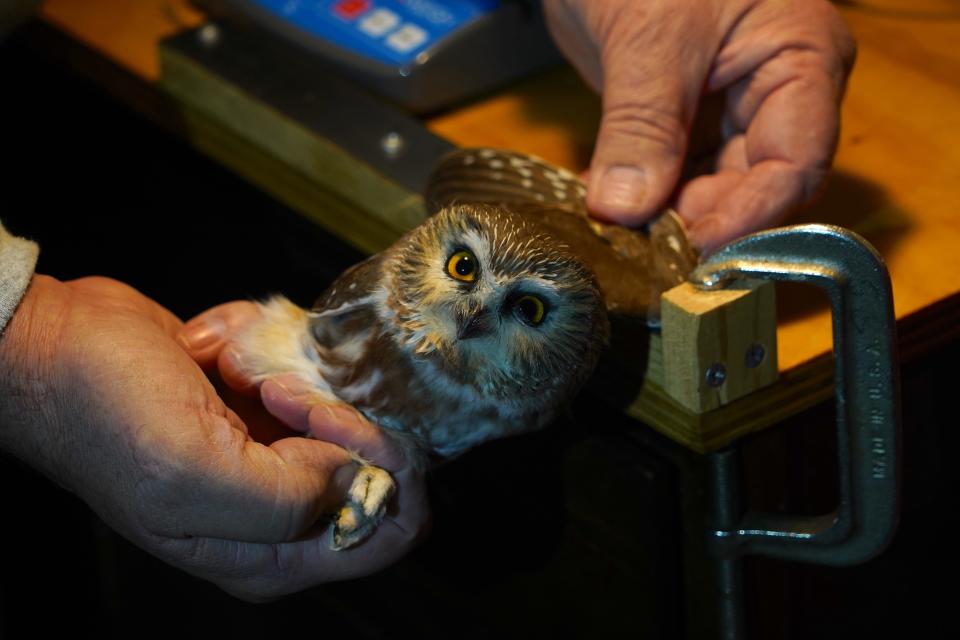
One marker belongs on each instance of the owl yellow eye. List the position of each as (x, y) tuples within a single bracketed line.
[(462, 266), (530, 310)]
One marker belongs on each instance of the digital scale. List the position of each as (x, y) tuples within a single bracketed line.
[(421, 54)]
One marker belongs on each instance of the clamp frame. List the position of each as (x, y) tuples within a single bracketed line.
[(867, 401)]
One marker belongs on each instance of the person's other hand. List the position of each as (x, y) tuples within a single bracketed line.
[(782, 65), (97, 394)]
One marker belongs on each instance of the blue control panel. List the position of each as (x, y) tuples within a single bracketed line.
[(393, 32)]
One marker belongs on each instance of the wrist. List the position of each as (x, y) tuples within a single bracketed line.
[(28, 397)]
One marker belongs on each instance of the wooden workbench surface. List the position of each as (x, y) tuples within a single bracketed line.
[(897, 175)]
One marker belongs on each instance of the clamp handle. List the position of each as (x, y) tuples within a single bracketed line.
[(867, 396)]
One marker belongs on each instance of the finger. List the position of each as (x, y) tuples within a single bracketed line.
[(394, 538), (766, 33), (652, 82), (300, 407), (259, 572), (346, 427), (412, 513), (763, 197), (789, 110), (234, 372), (205, 335), (781, 159), (700, 196), (289, 399), (786, 82)]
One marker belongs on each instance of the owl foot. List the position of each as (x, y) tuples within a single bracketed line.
[(365, 507)]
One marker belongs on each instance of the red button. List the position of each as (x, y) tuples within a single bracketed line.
[(350, 9)]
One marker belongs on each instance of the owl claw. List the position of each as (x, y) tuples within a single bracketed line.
[(365, 507)]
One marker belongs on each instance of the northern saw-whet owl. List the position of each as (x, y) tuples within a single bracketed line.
[(480, 323)]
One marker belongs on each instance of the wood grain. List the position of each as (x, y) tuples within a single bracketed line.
[(716, 330)]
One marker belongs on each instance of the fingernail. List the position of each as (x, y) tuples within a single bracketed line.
[(292, 388), (339, 414), (621, 188), (237, 358), (202, 334), (342, 478), (275, 387)]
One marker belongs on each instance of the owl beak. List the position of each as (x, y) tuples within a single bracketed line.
[(474, 325)]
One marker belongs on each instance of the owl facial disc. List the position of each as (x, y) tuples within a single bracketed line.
[(495, 302)]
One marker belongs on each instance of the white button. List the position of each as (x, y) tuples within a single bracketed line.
[(407, 38), (379, 22)]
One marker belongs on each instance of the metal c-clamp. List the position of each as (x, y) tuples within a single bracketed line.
[(867, 402)]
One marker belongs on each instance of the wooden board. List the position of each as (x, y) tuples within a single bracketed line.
[(897, 180)]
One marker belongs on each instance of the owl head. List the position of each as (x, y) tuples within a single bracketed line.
[(495, 303)]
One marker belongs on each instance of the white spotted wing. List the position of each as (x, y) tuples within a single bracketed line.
[(632, 266)]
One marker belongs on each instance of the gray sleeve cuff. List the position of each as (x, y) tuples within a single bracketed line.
[(18, 257)]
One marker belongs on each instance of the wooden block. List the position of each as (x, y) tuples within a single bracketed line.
[(718, 345)]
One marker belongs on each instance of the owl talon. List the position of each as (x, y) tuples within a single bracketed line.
[(365, 507)]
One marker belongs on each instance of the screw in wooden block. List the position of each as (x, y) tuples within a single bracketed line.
[(718, 345), (716, 375), (755, 355)]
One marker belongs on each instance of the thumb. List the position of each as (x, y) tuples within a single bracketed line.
[(650, 92), (259, 493)]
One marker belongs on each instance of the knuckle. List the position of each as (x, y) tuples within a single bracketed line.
[(819, 73), (799, 62), (653, 124), (103, 286), (831, 37), (840, 47)]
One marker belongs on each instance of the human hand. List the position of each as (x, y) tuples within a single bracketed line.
[(219, 339), (98, 395), (782, 67)]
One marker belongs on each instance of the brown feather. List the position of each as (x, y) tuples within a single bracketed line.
[(632, 266)]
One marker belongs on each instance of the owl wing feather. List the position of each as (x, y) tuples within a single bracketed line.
[(357, 282), (632, 266), (345, 310)]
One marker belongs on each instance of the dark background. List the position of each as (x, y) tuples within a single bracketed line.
[(580, 530)]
